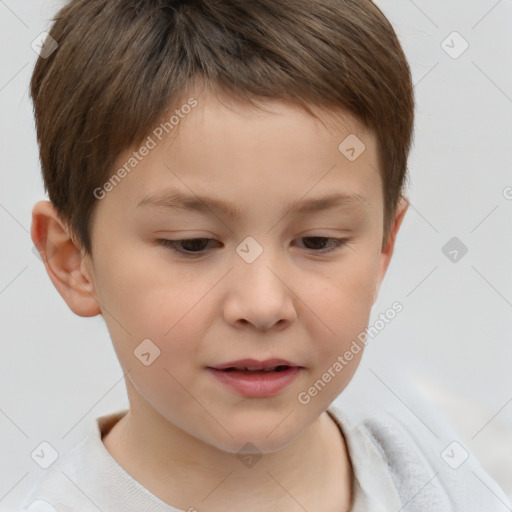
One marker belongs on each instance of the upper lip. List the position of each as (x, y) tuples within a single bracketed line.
[(254, 364)]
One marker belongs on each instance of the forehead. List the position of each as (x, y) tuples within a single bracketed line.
[(227, 155)]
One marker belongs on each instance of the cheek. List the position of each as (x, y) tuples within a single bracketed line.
[(143, 303), (342, 303), (138, 291)]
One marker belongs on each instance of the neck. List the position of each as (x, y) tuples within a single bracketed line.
[(313, 472)]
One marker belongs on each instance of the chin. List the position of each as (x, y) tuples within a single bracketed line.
[(266, 436)]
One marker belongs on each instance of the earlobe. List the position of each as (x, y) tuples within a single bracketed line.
[(63, 260)]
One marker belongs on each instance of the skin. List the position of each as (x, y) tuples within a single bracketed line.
[(184, 429)]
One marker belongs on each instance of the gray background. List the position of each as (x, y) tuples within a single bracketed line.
[(451, 344)]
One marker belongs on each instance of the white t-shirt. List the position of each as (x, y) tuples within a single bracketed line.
[(398, 466)]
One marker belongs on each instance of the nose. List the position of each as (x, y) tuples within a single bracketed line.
[(259, 295)]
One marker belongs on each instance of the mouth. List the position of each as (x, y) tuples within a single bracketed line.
[(255, 366), (256, 379)]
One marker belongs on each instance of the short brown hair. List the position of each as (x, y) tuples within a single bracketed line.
[(121, 64)]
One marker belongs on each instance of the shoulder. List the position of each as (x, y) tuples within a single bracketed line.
[(57, 490), (71, 481), (429, 465)]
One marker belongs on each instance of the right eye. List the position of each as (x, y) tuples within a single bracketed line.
[(192, 246)]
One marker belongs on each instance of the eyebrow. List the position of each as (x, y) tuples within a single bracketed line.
[(171, 199)]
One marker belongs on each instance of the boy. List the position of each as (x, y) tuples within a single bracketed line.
[(226, 184)]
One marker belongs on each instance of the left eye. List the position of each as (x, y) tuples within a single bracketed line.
[(196, 246)]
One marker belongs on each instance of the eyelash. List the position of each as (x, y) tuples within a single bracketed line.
[(173, 244)]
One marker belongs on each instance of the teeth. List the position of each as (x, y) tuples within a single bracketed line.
[(259, 369), (272, 369)]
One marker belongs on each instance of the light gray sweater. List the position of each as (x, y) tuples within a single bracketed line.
[(403, 460)]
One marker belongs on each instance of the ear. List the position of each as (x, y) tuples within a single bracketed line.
[(68, 270), (387, 250)]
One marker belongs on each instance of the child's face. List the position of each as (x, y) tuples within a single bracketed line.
[(224, 301)]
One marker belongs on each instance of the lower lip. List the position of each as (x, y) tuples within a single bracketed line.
[(257, 385)]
